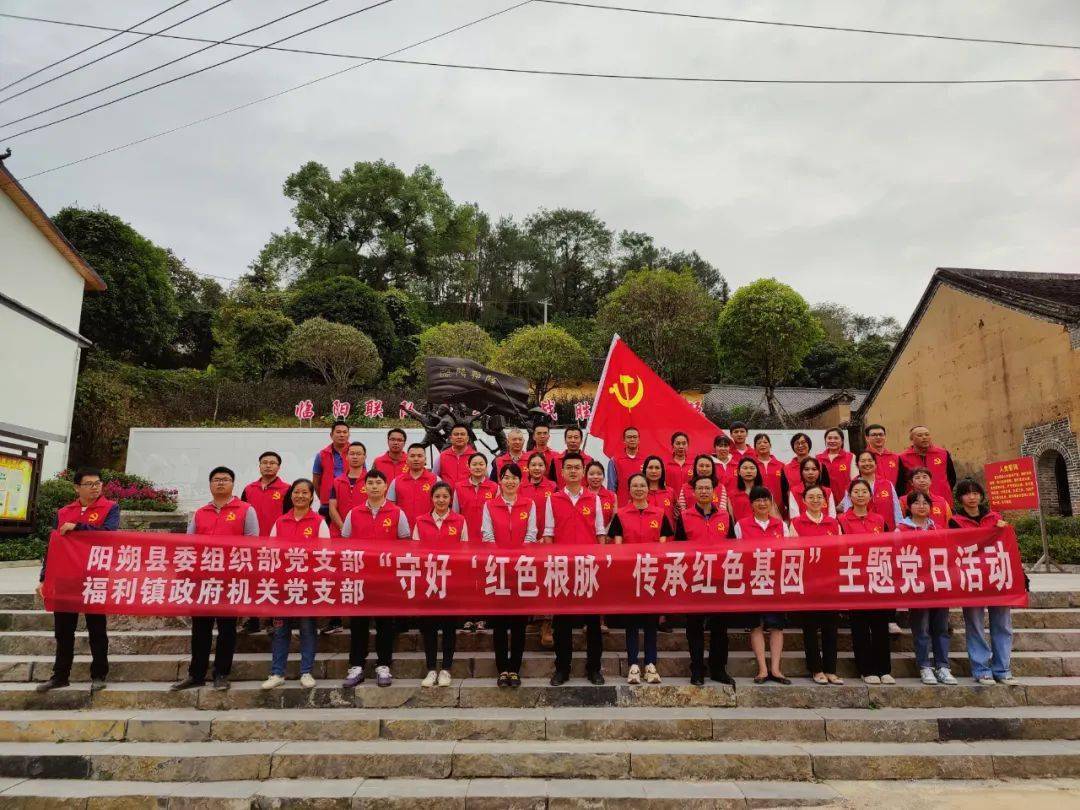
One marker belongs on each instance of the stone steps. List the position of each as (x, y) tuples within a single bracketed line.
[(561, 759), (333, 666), (551, 724)]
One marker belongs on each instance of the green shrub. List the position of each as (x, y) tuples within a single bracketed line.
[(51, 495), (27, 548), (1063, 549)]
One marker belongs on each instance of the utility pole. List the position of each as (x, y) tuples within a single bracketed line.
[(545, 302)]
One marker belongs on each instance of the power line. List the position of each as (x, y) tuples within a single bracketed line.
[(809, 26), (90, 47), (173, 62), (596, 75), (103, 57), (278, 94)]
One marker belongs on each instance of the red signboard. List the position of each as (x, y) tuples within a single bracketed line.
[(1012, 484)]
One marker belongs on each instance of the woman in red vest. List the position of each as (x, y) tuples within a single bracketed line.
[(883, 500), (679, 469), (809, 476), (747, 477), (440, 529), (471, 494), (919, 480), (660, 494), (300, 523), (538, 488), (837, 463), (818, 626), (594, 483), (509, 521), (640, 522), (705, 466), (800, 446), (772, 469), (869, 628)]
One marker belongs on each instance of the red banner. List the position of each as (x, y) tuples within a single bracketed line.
[(1012, 484), (191, 575)]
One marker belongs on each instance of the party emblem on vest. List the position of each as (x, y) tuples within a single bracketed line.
[(606, 507), (627, 397), (386, 523), (275, 496), (452, 530), (307, 531), (426, 487), (937, 461), (586, 511), (91, 517), (653, 524), (230, 516), (488, 495), (883, 494), (843, 468), (523, 515)]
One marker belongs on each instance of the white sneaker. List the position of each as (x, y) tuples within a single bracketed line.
[(651, 675), (1009, 680), (430, 679), (985, 680), (444, 678), (945, 676), (894, 629), (928, 677), (888, 680), (307, 681), (634, 675), (273, 682), (873, 680), (383, 676)]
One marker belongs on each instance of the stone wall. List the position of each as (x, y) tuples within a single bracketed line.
[(1045, 443)]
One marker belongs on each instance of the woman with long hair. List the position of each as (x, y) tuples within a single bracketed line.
[(837, 463), (747, 477), (818, 626), (809, 476)]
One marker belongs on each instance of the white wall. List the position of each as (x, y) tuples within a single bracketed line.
[(181, 458)]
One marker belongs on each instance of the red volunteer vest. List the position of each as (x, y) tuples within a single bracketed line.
[(538, 494), (804, 527), (793, 471), (452, 467), (390, 468), (607, 502), (888, 465), (641, 525), (267, 502), (326, 481), (413, 495), (547, 454), (556, 465), (92, 515), (471, 500), (936, 459), (624, 468), (851, 523), (306, 528), (882, 502), (510, 522), (502, 460), (940, 510), (676, 474), (750, 530), (574, 522), (699, 527), (230, 520), (381, 526), (664, 499), (348, 493), (964, 522), (772, 472), (739, 502), (799, 488), (839, 469), (448, 535), (719, 497)]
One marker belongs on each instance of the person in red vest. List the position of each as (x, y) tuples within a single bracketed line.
[(392, 463), (747, 479), (624, 464), (329, 464), (726, 462), (801, 444), (739, 433), (224, 515), (924, 453), (772, 469), (940, 508), (300, 523), (837, 463), (705, 466), (640, 522), (540, 437), (266, 495), (703, 521), (440, 529), (412, 489), (888, 462), (509, 521), (575, 517), (679, 468), (347, 492), (594, 482), (991, 662), (884, 501), (660, 494), (869, 628), (89, 512), (818, 626), (572, 436), (539, 489), (763, 523), (471, 494), (374, 519), (515, 453), (809, 476), (452, 464)]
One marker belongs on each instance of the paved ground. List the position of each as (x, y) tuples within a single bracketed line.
[(1030, 794)]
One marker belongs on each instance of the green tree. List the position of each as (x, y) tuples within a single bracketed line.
[(251, 343), (766, 329), (403, 312), (341, 354), (198, 299), (572, 266), (668, 319), (461, 339), (546, 356), (348, 301), (136, 318)]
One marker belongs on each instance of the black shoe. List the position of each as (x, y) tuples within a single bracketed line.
[(97, 684), (504, 679), (52, 683), (249, 627), (221, 682), (723, 677), (515, 680), (187, 683), (333, 628), (697, 679), (596, 678), (559, 678)]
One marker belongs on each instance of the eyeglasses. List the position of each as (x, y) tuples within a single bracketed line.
[(91, 484), (220, 480)]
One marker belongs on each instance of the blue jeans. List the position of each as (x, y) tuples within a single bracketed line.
[(647, 625), (930, 632), (993, 658), (280, 647)]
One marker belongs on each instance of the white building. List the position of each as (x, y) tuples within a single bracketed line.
[(42, 281)]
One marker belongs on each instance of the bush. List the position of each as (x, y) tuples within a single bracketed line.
[(1064, 550), (28, 548), (51, 495), (342, 354), (460, 339)]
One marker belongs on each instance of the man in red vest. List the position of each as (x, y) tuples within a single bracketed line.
[(739, 433), (573, 518), (374, 519), (625, 464), (412, 489), (924, 453), (572, 436), (346, 492), (888, 462), (541, 437), (329, 464), (224, 515), (266, 495), (392, 463), (89, 512), (515, 453), (452, 464)]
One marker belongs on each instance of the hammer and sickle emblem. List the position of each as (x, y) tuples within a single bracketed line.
[(623, 395)]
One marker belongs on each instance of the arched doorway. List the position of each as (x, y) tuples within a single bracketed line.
[(1054, 488)]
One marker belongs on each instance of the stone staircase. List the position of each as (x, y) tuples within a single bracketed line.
[(136, 744)]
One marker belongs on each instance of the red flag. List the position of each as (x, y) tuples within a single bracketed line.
[(630, 394)]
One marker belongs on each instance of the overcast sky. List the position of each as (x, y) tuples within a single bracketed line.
[(852, 194)]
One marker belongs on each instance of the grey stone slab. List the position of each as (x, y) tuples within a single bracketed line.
[(391, 794), (549, 760), (719, 760), (381, 759), (507, 794), (787, 794)]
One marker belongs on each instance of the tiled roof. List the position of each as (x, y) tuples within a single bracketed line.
[(792, 400)]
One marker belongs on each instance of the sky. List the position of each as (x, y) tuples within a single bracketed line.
[(851, 194)]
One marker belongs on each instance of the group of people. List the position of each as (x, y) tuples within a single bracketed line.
[(739, 490)]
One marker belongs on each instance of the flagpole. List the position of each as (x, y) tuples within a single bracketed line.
[(596, 397)]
